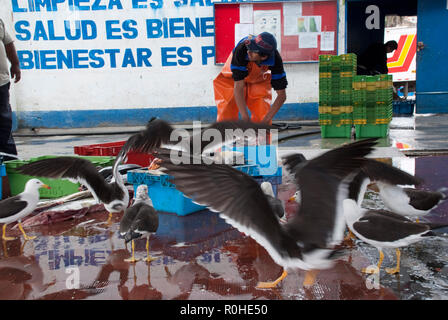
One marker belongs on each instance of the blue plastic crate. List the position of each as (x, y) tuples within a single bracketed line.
[(264, 156), (403, 107), (2, 174), (164, 195)]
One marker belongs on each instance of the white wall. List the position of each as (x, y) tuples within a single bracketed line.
[(108, 88)]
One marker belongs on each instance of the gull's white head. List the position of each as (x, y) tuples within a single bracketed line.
[(35, 184), (297, 197), (142, 194), (267, 188)]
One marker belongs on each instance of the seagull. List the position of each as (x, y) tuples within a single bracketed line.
[(296, 197), (377, 172), (308, 240), (140, 219), (384, 229), (410, 202), (160, 134), (276, 204), (18, 207), (114, 195)]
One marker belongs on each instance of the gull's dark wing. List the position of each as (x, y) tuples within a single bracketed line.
[(380, 171), (147, 219), (386, 227), (71, 168), (11, 206), (141, 217), (276, 205), (373, 171), (228, 131), (156, 133), (423, 199), (292, 161), (238, 198), (319, 221), (341, 160), (324, 184)]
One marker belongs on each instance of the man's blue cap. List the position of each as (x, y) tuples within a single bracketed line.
[(263, 43)]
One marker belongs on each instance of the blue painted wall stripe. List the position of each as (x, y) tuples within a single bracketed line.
[(138, 117)]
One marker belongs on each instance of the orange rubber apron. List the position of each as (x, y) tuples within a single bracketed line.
[(258, 92)]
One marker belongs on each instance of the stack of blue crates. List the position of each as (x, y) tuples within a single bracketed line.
[(262, 166)]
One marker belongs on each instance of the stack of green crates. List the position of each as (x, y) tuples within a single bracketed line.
[(335, 94), (372, 105)]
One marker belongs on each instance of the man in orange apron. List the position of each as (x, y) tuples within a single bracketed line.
[(251, 71)]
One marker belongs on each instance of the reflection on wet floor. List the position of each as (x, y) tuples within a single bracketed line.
[(200, 256)]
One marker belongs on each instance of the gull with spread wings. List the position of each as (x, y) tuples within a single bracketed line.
[(114, 194), (160, 134), (308, 241)]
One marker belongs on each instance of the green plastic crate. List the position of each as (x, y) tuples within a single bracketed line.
[(335, 131), (371, 130), (59, 187)]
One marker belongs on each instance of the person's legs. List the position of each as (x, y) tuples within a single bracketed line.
[(224, 98), (7, 144), (259, 99)]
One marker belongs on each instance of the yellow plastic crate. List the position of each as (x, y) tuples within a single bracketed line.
[(335, 110), (324, 74)]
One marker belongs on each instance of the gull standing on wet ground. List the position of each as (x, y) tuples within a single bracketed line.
[(385, 229), (114, 194), (139, 220), (309, 239), (382, 228), (18, 207)]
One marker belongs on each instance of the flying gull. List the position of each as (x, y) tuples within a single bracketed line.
[(308, 240), (114, 194)]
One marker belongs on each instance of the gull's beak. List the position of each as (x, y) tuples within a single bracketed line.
[(373, 186), (45, 186), (292, 199)]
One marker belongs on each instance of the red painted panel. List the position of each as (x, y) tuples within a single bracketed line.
[(227, 15)]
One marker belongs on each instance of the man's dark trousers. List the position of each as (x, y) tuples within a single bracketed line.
[(7, 144)]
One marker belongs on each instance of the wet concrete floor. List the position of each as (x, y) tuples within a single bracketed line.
[(199, 256)]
